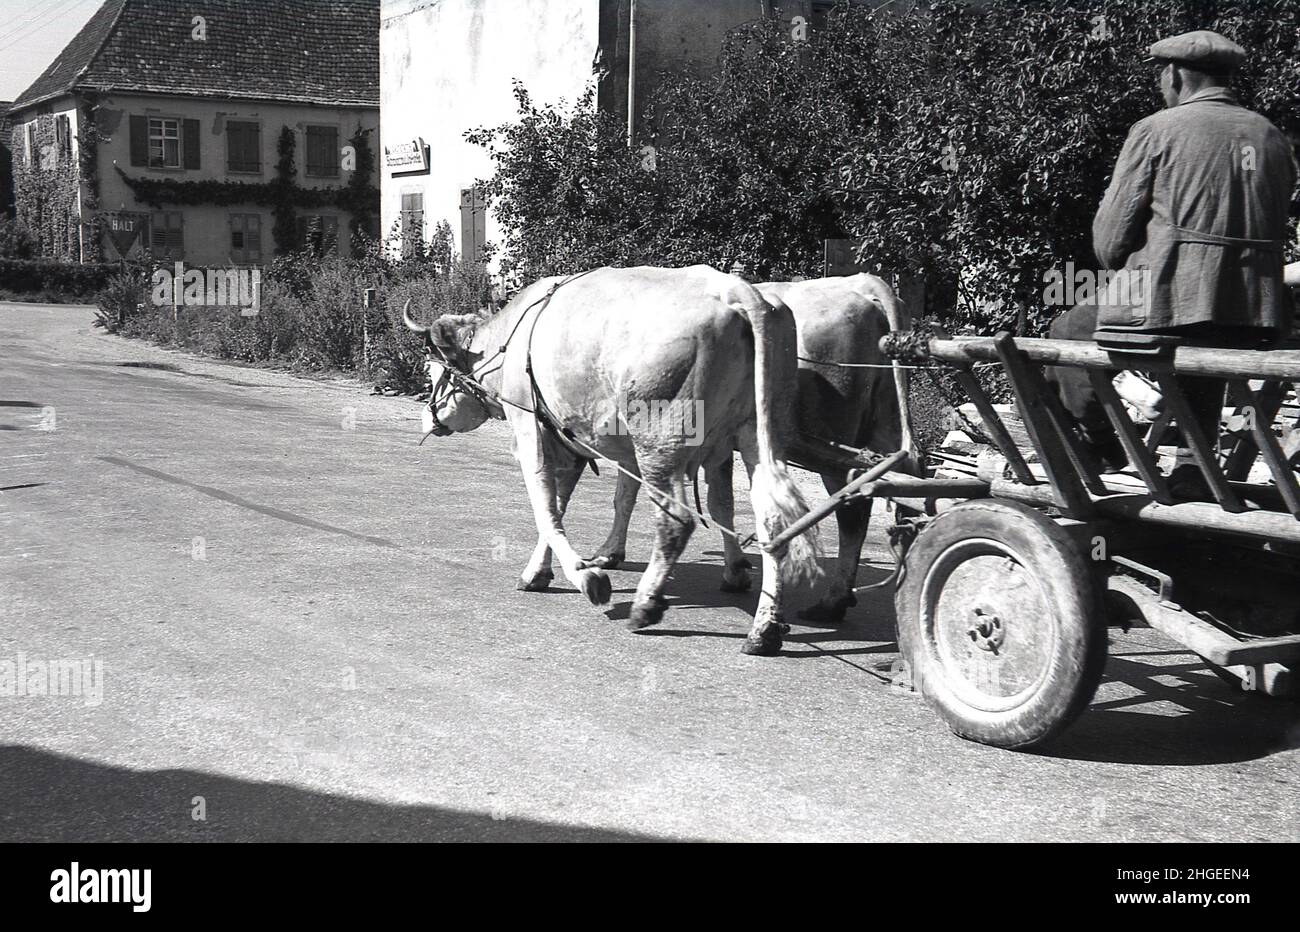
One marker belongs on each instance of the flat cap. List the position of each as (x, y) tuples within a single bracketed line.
[(1203, 50)]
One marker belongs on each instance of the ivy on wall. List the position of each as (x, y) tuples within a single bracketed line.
[(88, 140), (46, 192), (284, 230), (359, 197)]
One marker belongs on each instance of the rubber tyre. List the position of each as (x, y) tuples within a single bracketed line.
[(1000, 619)]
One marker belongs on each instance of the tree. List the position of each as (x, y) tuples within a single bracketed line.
[(966, 144)]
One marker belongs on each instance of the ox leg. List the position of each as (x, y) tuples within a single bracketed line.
[(853, 520), (765, 635), (538, 575), (614, 551), (673, 527), (544, 483), (722, 508)]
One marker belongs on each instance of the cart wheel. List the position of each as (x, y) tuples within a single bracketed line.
[(999, 617)]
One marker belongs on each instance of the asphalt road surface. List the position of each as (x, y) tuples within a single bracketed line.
[(306, 628)]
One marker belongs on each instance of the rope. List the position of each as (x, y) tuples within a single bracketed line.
[(741, 542), (900, 537)]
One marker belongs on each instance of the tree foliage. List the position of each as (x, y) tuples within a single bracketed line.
[(965, 144)]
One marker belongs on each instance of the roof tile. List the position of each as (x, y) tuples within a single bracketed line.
[(307, 51)]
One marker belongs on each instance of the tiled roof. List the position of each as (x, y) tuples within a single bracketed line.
[(302, 51), (76, 55)]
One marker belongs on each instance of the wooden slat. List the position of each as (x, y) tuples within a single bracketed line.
[(1137, 452), (1195, 440), (1261, 429), (1266, 404), (1197, 518), (1084, 464), (1157, 431), (992, 421), (1070, 495)]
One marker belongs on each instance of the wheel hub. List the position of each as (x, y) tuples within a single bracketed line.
[(986, 631)]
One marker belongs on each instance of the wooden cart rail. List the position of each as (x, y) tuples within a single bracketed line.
[(1077, 489), (1279, 364)]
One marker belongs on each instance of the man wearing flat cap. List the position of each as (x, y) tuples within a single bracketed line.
[(1197, 211)]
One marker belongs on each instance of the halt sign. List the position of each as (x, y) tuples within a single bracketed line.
[(127, 231)]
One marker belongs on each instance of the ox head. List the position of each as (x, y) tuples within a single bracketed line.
[(456, 405)]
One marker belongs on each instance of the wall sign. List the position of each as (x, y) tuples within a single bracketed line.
[(407, 158), (127, 231)]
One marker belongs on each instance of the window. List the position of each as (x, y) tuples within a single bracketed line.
[(164, 143), (412, 223), (243, 146), (318, 233), (323, 153), (246, 239), (166, 239), (63, 139), (33, 151)]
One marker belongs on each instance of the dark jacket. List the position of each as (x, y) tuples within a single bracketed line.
[(1199, 202)]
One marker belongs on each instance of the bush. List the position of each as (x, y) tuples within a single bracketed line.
[(69, 280), (16, 241), (312, 313), (121, 298)]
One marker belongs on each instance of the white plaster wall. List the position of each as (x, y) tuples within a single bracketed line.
[(446, 66)]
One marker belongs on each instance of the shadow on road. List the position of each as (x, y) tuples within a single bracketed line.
[(47, 797), (1216, 724)]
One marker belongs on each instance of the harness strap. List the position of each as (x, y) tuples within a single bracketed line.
[(551, 424), (541, 410)]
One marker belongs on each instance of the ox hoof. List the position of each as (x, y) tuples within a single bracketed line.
[(538, 582), (829, 611), (595, 586), (605, 561), (645, 614), (766, 644)]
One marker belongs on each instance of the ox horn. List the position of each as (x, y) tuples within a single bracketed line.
[(411, 324)]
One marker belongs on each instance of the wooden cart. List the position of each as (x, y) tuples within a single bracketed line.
[(1010, 575)]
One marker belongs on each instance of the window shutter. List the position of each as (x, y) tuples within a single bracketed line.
[(253, 147), (332, 152), (139, 141), (234, 153), (243, 147), (158, 236), (176, 236), (190, 143), (253, 237)]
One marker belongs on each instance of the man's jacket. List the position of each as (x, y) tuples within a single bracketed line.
[(1196, 214)]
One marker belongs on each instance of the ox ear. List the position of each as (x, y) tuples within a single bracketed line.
[(454, 331), (443, 334)]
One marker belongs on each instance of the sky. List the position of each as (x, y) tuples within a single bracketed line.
[(32, 33)]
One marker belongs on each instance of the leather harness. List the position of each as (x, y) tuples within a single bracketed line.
[(466, 380)]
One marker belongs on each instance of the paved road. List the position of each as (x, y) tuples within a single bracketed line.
[(308, 630)]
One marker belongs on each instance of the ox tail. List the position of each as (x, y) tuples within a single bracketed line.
[(900, 321), (778, 503)]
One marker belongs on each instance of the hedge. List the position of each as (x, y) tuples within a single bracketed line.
[(32, 276)]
